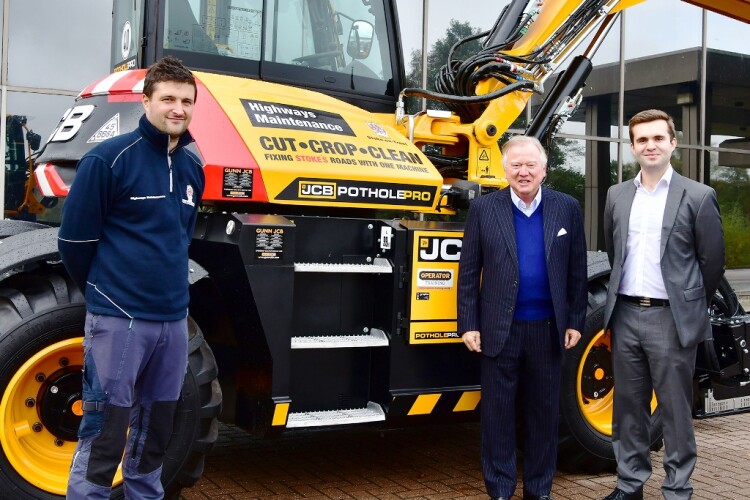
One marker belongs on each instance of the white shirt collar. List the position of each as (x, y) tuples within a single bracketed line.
[(521, 205), (665, 179)]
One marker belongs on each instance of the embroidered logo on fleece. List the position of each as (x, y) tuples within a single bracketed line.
[(188, 200)]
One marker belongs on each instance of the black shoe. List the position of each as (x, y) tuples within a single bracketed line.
[(528, 496), (618, 494), (498, 498)]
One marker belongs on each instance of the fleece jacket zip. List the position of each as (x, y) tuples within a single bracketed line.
[(127, 223)]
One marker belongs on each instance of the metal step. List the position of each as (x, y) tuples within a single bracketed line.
[(376, 338), (372, 413), (378, 266), (714, 407)]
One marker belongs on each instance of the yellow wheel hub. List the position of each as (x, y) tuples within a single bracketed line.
[(595, 384), (39, 412)]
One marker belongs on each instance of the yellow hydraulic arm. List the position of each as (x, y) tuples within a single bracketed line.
[(736, 9), (528, 43)]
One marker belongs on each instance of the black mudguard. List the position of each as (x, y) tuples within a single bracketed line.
[(26, 247)]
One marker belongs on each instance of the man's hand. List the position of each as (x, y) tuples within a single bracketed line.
[(571, 338), (472, 341)]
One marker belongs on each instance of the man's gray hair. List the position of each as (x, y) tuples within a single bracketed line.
[(524, 139)]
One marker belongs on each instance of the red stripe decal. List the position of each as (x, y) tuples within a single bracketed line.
[(221, 147)]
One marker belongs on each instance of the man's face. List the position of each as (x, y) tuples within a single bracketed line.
[(525, 170), (651, 145), (170, 107)]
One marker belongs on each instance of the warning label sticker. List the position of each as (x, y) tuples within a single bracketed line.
[(269, 243), (107, 131), (237, 183), (484, 159)]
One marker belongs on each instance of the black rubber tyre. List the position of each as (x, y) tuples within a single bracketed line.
[(41, 329), (586, 395)]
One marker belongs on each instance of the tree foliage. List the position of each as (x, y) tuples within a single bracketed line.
[(437, 56), (731, 185), (563, 172)]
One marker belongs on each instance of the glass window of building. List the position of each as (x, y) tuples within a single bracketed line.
[(44, 74), (600, 91), (64, 57), (661, 27), (29, 119), (2, 32), (662, 47), (727, 122), (663, 52)]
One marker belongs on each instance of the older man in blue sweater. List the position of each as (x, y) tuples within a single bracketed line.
[(521, 300)]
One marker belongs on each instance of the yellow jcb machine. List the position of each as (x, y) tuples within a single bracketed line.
[(322, 288)]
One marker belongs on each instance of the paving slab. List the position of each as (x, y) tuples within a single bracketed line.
[(432, 462)]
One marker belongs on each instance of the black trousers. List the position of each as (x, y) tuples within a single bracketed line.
[(531, 361)]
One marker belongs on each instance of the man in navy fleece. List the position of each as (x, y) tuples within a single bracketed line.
[(126, 226)]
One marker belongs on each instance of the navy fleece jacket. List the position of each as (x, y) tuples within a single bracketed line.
[(127, 223)]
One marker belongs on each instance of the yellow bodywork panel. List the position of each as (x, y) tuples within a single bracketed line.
[(434, 280), (736, 9), (332, 154)]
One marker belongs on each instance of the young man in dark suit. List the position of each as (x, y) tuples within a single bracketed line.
[(666, 246), (522, 295)]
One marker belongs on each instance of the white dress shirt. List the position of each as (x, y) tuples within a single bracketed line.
[(641, 273), (521, 205)]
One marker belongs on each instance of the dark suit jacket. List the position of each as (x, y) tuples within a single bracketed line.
[(692, 251), (488, 271)]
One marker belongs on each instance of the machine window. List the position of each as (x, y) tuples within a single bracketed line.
[(225, 28), (342, 36)]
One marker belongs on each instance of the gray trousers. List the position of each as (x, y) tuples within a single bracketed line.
[(133, 372), (647, 355)]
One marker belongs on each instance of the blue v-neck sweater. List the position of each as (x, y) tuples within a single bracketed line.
[(534, 300)]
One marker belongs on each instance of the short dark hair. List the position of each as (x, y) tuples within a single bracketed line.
[(651, 115), (167, 69)]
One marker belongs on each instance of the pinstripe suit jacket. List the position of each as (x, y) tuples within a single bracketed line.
[(488, 271)]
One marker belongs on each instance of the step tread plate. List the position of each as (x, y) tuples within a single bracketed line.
[(376, 338), (378, 266), (372, 413)]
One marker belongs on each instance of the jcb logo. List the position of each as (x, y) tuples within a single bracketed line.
[(317, 190), (71, 123), (440, 249)]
